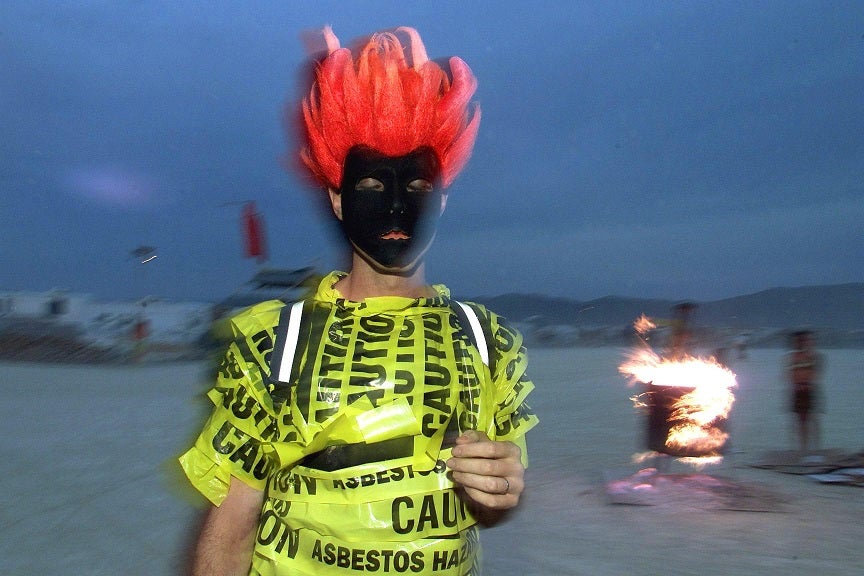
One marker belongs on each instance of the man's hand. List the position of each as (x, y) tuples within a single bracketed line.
[(490, 472)]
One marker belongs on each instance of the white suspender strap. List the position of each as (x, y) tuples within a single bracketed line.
[(287, 360), (479, 337)]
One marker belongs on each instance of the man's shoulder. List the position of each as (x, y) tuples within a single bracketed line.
[(492, 318), (503, 334), (263, 315)]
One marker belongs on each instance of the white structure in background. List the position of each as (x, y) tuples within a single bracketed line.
[(104, 324)]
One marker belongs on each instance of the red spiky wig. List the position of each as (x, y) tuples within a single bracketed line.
[(391, 98)]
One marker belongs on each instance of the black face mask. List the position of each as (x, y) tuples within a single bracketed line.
[(389, 206)]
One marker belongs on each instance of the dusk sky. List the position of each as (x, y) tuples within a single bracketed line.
[(681, 150)]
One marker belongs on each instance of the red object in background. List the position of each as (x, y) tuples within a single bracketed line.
[(141, 330), (253, 233)]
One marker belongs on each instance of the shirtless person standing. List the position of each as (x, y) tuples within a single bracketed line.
[(805, 368)]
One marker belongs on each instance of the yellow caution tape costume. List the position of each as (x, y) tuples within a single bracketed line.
[(346, 418)]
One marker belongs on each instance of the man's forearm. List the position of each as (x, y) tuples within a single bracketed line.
[(227, 537), (222, 552)]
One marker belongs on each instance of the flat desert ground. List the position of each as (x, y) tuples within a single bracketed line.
[(89, 483)]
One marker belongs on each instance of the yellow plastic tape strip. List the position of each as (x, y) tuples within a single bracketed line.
[(361, 422), (393, 420), (400, 518), (223, 451), (205, 475), (366, 483), (282, 551)]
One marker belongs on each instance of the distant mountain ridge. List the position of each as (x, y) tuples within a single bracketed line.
[(838, 307)]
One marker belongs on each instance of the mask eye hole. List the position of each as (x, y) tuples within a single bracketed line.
[(420, 185), (369, 185)]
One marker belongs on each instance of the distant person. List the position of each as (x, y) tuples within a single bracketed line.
[(681, 340), (805, 367), (373, 427), (740, 345), (140, 334)]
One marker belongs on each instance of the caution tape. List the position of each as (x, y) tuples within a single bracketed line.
[(360, 484), (398, 518), (281, 550)]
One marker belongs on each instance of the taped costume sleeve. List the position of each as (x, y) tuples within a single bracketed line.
[(238, 438), (513, 416)]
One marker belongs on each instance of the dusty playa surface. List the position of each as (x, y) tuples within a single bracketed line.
[(89, 484), (588, 433)]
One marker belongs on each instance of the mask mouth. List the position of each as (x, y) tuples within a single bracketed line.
[(395, 234)]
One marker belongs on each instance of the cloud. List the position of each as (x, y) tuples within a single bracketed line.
[(112, 186)]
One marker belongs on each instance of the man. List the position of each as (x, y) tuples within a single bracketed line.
[(805, 367), (372, 427)]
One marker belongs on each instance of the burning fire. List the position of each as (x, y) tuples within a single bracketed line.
[(697, 392), (643, 324)]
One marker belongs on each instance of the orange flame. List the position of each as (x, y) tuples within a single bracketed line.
[(643, 324)]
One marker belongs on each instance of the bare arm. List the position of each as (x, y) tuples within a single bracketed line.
[(490, 474), (227, 537)]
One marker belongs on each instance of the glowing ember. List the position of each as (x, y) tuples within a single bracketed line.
[(643, 324), (688, 399)]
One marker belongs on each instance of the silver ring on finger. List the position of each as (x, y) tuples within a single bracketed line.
[(506, 486)]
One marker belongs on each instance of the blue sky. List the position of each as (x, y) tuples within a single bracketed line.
[(659, 149)]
